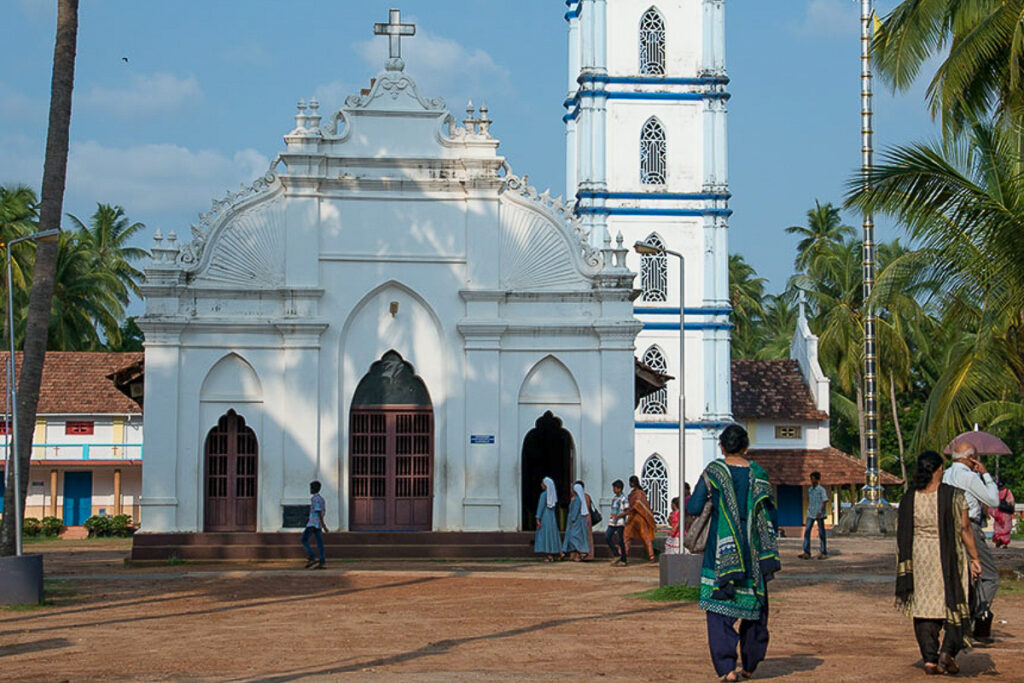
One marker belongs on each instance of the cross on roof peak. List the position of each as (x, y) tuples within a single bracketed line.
[(394, 30)]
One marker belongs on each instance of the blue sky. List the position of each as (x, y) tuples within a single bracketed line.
[(209, 88)]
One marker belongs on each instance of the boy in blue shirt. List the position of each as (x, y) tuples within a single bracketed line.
[(315, 527), (817, 500)]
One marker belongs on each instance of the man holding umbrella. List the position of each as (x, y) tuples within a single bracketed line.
[(969, 474)]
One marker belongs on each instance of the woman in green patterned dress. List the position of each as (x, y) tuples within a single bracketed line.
[(741, 555)]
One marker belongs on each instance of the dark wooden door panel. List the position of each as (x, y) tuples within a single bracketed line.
[(231, 476)]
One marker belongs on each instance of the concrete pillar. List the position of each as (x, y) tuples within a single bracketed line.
[(53, 493), (117, 492)]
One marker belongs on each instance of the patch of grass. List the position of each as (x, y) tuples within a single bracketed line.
[(174, 561), (1010, 587), (670, 594)]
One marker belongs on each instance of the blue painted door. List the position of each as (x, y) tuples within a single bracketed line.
[(77, 498), (791, 505)]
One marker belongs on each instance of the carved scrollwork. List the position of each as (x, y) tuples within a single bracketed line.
[(394, 84)]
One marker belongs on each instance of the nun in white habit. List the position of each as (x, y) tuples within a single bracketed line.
[(575, 543), (547, 542)]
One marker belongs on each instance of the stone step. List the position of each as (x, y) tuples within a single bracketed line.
[(74, 533)]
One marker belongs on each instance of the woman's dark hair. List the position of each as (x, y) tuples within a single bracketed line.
[(675, 501), (634, 481), (734, 439), (927, 463), (580, 482)]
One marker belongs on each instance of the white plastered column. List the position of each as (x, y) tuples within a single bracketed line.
[(158, 505)]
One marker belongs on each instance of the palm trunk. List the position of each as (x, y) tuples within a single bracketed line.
[(860, 421), (899, 433), (51, 206)]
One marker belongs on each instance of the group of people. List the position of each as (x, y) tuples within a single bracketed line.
[(631, 519), (947, 576)]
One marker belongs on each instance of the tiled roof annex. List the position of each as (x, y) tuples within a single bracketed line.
[(794, 467), (76, 382), (771, 390)]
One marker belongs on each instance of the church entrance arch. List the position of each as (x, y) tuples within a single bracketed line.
[(231, 453), (547, 452), (391, 450)]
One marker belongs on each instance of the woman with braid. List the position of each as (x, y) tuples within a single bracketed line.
[(741, 556), (932, 535)]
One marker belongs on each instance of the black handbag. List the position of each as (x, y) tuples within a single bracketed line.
[(595, 516), (1005, 506)]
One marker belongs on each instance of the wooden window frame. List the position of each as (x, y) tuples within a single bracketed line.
[(79, 427)]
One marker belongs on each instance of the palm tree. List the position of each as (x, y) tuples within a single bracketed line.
[(19, 211), (108, 233), (746, 292), (55, 164), (86, 299), (982, 73), (778, 323), (963, 200), (824, 228)]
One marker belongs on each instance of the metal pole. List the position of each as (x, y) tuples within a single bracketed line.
[(16, 468), (682, 398), (872, 490)]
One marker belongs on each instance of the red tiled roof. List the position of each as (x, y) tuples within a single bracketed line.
[(794, 467), (772, 390), (77, 382)]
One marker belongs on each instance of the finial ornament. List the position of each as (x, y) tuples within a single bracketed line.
[(394, 30), (802, 302)]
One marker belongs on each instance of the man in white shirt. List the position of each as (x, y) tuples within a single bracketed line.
[(981, 492)]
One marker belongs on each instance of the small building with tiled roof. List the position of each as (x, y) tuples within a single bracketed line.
[(87, 445), (784, 405)]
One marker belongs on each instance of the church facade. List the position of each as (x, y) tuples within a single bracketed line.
[(392, 311), (646, 157)]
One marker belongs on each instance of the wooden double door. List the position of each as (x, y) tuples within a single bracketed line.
[(231, 471), (391, 466)]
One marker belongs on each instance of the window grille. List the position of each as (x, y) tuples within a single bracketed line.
[(654, 482), (787, 431), (81, 427), (652, 153), (656, 403), (652, 43), (654, 272)]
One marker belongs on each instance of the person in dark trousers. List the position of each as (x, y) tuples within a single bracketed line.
[(617, 524), (315, 527), (817, 501)]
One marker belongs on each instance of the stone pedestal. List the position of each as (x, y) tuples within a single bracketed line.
[(680, 570), (864, 519), (21, 580)]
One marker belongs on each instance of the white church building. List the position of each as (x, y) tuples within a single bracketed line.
[(394, 312)]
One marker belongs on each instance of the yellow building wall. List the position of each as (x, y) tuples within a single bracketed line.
[(39, 437)]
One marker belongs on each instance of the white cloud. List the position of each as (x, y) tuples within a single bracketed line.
[(158, 177), (251, 53), (441, 67), (145, 95), (17, 107), (39, 9), (830, 18)]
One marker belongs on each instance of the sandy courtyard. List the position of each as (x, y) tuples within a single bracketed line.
[(830, 620)]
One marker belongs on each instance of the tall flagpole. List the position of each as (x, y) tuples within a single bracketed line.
[(872, 489)]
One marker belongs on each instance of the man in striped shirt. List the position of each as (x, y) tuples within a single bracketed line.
[(817, 501)]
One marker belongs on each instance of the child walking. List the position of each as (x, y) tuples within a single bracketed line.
[(617, 525), (315, 527), (672, 542)]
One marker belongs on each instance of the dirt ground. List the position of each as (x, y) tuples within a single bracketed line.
[(831, 620)]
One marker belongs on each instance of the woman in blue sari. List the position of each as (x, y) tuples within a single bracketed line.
[(741, 556), (575, 543), (546, 542)]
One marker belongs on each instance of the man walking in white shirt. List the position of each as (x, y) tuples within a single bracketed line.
[(981, 492)]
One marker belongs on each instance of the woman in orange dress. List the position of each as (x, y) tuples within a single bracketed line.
[(640, 522)]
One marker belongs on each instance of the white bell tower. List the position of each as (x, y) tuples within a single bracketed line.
[(646, 157)]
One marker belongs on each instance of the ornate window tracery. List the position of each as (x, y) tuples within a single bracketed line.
[(652, 43), (656, 403), (654, 272), (652, 153), (654, 482)]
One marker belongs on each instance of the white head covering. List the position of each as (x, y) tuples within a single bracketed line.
[(549, 489), (581, 494)]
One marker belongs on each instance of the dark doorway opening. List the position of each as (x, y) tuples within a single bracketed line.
[(230, 475), (391, 450), (547, 452)]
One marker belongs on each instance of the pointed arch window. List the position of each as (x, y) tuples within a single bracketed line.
[(652, 43), (656, 403), (652, 153), (654, 482), (654, 272)]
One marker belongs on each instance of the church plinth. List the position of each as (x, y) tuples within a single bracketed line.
[(867, 519)]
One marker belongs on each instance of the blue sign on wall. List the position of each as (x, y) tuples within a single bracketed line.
[(481, 438)]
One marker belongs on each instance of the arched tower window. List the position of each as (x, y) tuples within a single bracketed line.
[(656, 403), (652, 153), (654, 272), (652, 43), (654, 482)]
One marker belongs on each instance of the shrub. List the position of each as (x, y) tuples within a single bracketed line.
[(98, 526), (52, 526), (31, 527), (121, 525)]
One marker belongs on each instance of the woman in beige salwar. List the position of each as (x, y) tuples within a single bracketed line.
[(931, 581)]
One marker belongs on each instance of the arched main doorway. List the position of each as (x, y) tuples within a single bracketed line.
[(547, 452), (391, 450), (230, 475)]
